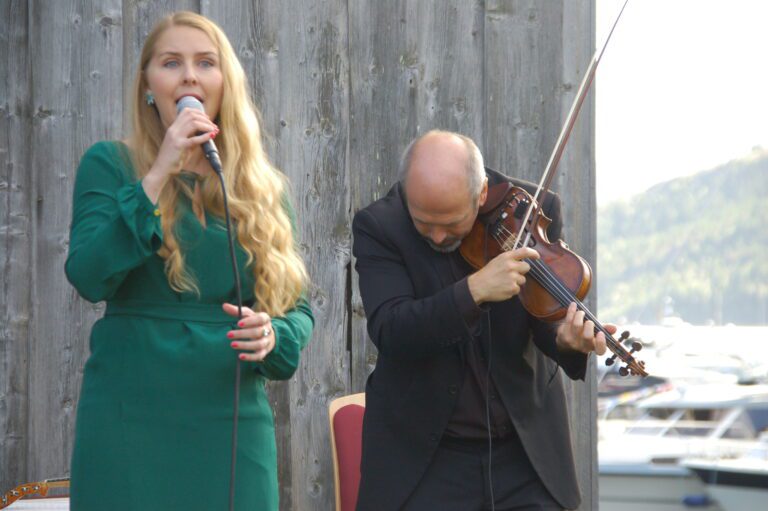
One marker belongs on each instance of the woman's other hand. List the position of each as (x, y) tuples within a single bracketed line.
[(255, 337)]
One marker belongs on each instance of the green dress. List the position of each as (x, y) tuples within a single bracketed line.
[(154, 419)]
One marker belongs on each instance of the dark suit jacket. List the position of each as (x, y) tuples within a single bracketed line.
[(414, 321)]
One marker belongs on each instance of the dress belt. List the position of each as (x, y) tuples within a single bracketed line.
[(183, 311)]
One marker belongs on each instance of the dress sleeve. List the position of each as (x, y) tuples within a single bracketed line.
[(115, 227), (292, 331)]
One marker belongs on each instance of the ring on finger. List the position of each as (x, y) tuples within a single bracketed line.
[(266, 331)]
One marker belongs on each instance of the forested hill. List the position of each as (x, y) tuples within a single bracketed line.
[(693, 247)]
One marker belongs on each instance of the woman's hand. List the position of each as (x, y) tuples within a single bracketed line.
[(256, 336), (179, 138)]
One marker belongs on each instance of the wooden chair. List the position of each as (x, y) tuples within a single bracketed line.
[(346, 420)]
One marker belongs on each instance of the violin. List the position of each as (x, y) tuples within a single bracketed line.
[(559, 277)]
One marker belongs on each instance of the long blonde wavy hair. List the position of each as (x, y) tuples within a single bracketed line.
[(256, 189)]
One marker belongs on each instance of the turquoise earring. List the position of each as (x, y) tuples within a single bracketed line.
[(149, 98)]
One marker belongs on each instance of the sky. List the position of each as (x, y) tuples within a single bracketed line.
[(682, 87)]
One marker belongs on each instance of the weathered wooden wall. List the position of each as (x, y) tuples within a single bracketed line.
[(343, 85)]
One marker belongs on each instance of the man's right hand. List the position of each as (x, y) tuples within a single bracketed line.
[(502, 277)]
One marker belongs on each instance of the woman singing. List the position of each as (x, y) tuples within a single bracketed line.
[(148, 235)]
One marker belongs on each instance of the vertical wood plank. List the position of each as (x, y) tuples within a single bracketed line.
[(76, 87), (543, 49), (15, 241), (576, 182), (311, 132), (415, 66), (295, 55), (56, 122), (523, 63)]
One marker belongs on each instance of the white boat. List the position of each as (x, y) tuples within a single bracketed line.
[(737, 483), (643, 439)]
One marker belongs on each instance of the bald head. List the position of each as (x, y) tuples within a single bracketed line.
[(444, 180), (443, 159)]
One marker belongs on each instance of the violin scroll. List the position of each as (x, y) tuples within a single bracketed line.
[(633, 367)]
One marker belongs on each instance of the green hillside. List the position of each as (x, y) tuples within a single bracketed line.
[(693, 247)]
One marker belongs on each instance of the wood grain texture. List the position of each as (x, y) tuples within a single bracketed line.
[(417, 67), (296, 56), (576, 183), (542, 50), (76, 67), (15, 241), (57, 123), (343, 86)]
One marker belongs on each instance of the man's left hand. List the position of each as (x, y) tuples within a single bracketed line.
[(575, 334)]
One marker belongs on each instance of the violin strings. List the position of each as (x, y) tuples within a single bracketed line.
[(544, 275), (559, 290), (548, 280)]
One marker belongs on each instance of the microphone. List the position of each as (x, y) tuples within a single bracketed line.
[(209, 148)]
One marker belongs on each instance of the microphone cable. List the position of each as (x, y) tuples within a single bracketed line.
[(488, 411), (488, 387), (236, 275), (212, 155)]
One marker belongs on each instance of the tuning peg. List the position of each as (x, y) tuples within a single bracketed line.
[(610, 361), (632, 342)]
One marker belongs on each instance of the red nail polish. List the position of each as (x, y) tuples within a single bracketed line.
[(234, 344), (241, 356), (230, 335), (241, 323), (213, 134)]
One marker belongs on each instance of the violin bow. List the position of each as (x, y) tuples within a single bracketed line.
[(39, 488), (565, 132), (616, 347)]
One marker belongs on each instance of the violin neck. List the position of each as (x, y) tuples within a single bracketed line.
[(547, 279)]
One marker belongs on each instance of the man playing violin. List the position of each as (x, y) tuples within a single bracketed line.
[(465, 409)]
